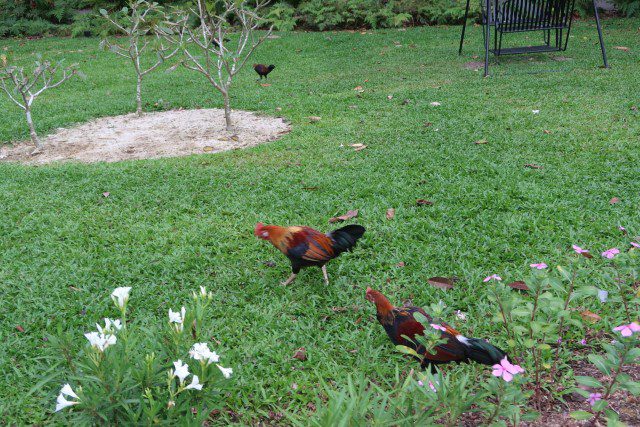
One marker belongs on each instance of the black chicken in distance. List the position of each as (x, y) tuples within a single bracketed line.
[(263, 70)]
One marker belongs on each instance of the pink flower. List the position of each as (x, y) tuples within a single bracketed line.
[(635, 245), (492, 277), (579, 250), (431, 386), (583, 341), (539, 266), (621, 228), (438, 327), (610, 253), (628, 330), (506, 370), (593, 398)]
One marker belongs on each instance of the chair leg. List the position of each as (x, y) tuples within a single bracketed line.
[(602, 48), (464, 27), (487, 31)]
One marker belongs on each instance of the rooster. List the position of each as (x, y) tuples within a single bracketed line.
[(306, 247), (399, 322), (263, 70)]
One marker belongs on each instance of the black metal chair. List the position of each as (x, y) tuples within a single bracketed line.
[(552, 17)]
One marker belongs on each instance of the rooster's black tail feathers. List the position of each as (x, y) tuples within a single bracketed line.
[(345, 238)]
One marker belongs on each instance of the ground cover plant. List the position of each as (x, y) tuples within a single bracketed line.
[(511, 171)]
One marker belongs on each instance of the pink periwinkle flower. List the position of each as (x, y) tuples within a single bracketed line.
[(539, 266), (635, 245), (583, 341), (593, 398), (579, 250), (506, 370), (628, 330), (431, 386), (438, 327), (610, 253), (492, 277), (621, 228)]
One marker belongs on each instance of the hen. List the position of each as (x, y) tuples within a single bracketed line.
[(399, 322), (263, 70), (306, 247)]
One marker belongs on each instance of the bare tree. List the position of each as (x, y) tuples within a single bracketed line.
[(23, 89), (138, 26), (221, 58)]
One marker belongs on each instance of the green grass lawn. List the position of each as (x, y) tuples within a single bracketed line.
[(170, 225)]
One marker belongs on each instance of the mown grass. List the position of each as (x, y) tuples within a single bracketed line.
[(170, 225)]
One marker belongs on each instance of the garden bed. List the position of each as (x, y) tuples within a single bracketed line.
[(153, 135)]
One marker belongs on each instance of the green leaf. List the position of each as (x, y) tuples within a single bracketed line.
[(581, 415), (520, 312), (600, 363), (103, 12), (588, 381), (406, 350), (632, 387), (611, 422), (600, 405), (544, 347), (632, 355), (564, 272)]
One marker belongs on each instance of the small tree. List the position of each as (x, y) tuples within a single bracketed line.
[(221, 57), (23, 89), (137, 26)]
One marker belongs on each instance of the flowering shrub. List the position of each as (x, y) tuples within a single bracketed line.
[(134, 375)]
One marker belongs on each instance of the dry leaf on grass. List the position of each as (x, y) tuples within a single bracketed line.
[(590, 316), (423, 202), (314, 119), (358, 147), (19, 328), (310, 188), (532, 166), (518, 284), (546, 132), (265, 84), (359, 89), (207, 149), (348, 215), (300, 354), (480, 142), (400, 264), (441, 282), (622, 48), (391, 213)]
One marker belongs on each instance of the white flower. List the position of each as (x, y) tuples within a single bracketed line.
[(603, 295), (195, 384), (203, 291), (171, 404), (177, 318), (460, 315), (435, 104), (535, 111), (225, 371), (68, 391), (62, 403), (108, 323), (200, 351), (181, 371), (100, 340), (120, 296)]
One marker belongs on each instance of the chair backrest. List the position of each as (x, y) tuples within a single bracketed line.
[(531, 15)]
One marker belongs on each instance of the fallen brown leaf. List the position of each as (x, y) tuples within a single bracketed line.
[(300, 354), (391, 213), (590, 316), (310, 188), (350, 214), (269, 264), (358, 147), (441, 282), (427, 124), (265, 84), (207, 149), (400, 264), (73, 288), (532, 166), (518, 284), (547, 132), (614, 200), (423, 202), (480, 141), (314, 119), (19, 328), (622, 48), (358, 89)]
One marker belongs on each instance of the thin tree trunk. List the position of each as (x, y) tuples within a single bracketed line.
[(139, 96), (32, 132), (227, 111)]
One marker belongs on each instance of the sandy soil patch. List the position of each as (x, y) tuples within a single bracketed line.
[(154, 135)]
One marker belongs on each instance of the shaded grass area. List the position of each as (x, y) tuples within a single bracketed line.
[(170, 225)]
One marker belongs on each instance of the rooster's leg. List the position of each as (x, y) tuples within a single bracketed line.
[(324, 273), (290, 279)]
